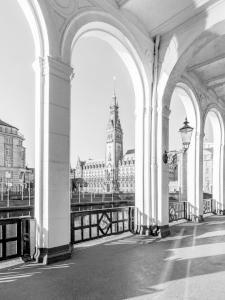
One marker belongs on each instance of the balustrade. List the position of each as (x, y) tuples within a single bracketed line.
[(16, 238), (177, 211), (88, 225)]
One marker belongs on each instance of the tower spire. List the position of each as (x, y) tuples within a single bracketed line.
[(114, 87), (114, 99)]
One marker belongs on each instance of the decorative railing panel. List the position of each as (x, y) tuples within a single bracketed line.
[(14, 237), (177, 211), (88, 225), (207, 206)]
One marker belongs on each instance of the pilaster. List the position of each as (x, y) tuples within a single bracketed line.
[(199, 138), (161, 203), (140, 215), (147, 170), (52, 199)]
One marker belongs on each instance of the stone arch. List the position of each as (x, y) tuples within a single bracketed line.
[(111, 30), (37, 22), (217, 121), (108, 28), (191, 165), (219, 112), (173, 63)]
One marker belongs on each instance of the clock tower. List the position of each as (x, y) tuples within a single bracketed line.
[(114, 147)]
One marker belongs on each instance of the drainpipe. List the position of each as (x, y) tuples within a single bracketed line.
[(154, 134)]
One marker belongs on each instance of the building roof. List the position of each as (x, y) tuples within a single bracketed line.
[(131, 151), (6, 124), (95, 161)]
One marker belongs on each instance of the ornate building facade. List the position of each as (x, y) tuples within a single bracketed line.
[(12, 157), (115, 172), (208, 168), (175, 170)]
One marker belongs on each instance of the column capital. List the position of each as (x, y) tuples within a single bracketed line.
[(57, 68)]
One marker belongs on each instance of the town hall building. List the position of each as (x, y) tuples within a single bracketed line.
[(115, 172)]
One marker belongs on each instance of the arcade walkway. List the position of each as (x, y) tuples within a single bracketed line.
[(190, 264)]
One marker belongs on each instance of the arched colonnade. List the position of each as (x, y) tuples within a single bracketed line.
[(56, 27)]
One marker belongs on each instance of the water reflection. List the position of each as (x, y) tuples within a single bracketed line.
[(74, 207), (100, 206), (19, 213)]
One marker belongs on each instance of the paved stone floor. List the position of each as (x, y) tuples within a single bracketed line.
[(190, 264)]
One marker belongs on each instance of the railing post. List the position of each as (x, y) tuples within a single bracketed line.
[(71, 228), (185, 210), (130, 218)]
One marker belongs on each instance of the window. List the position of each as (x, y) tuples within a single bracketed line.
[(8, 163), (8, 151), (8, 140)]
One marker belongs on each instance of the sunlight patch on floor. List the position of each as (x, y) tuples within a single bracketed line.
[(173, 238), (211, 234), (197, 251)]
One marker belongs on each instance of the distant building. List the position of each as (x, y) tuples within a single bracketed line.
[(175, 170), (115, 172), (72, 173), (173, 163), (208, 168), (12, 157)]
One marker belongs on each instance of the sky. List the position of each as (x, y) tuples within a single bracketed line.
[(16, 73), (95, 65)]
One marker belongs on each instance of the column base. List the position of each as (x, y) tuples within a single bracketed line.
[(52, 255), (221, 212), (145, 230), (154, 230), (195, 218), (164, 230)]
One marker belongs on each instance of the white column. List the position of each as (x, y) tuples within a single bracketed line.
[(198, 177), (147, 221), (222, 178), (139, 170), (52, 159), (161, 202), (183, 176)]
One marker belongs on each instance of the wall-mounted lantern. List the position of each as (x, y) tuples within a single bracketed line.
[(186, 133)]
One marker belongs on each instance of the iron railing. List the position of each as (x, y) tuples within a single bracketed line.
[(177, 211), (89, 225), (15, 238), (207, 206)]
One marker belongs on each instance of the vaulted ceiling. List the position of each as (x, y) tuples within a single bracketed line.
[(162, 16), (209, 67)]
